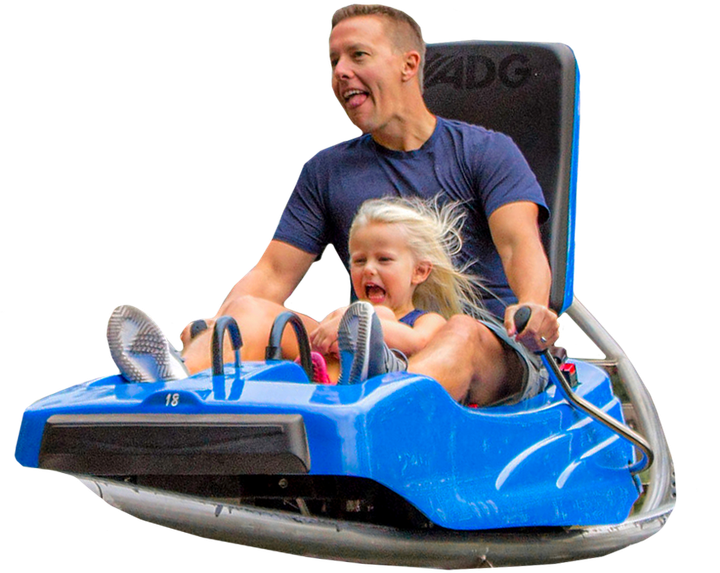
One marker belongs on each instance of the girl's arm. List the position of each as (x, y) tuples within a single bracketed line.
[(407, 339), (398, 335)]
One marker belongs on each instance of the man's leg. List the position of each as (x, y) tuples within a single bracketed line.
[(470, 362), (255, 318)]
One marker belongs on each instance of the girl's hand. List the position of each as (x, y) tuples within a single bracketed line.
[(324, 338)]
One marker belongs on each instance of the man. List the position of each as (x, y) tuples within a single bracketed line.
[(377, 56)]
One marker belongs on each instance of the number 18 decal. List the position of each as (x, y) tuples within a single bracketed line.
[(172, 400)]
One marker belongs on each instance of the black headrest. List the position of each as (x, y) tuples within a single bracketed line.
[(527, 91)]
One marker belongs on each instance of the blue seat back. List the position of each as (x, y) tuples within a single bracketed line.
[(529, 92)]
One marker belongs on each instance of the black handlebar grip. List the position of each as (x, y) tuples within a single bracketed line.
[(522, 317)]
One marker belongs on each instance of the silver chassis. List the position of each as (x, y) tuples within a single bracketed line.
[(436, 548)]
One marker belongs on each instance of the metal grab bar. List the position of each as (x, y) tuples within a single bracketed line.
[(598, 415), (221, 325), (274, 350), (522, 316)]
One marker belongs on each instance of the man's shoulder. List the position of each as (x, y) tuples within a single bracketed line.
[(333, 163), (479, 145), (347, 148), (470, 130)]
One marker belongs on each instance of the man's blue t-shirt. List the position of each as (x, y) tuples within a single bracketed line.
[(482, 169)]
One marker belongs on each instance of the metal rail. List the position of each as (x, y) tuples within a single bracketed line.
[(660, 490), (522, 316), (365, 543)]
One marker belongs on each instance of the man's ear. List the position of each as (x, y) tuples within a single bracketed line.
[(421, 272), (411, 65)]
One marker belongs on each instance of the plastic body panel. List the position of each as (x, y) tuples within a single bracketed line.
[(537, 463), (174, 444)]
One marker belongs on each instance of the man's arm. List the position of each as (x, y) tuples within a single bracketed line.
[(516, 235), (275, 277)]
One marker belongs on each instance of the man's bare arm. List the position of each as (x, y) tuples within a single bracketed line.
[(516, 235), (275, 277)]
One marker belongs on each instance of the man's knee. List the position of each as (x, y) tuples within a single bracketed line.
[(472, 333), (498, 371), (242, 305)]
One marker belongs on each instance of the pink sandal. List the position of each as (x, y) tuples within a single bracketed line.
[(320, 373)]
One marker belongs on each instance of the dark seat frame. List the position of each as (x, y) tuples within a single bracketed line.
[(527, 91)]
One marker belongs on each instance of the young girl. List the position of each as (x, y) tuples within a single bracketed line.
[(400, 262)]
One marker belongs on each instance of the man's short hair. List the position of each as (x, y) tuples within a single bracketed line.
[(405, 32)]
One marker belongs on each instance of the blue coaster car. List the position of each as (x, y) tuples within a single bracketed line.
[(393, 471)]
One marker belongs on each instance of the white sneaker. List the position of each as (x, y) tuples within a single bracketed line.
[(363, 352), (140, 349)]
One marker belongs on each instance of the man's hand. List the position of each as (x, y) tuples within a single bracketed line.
[(542, 330)]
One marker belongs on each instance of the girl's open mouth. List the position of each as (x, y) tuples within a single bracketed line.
[(374, 293)]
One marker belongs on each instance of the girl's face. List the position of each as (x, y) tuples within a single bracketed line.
[(383, 269)]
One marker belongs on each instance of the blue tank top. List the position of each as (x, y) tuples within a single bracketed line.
[(412, 316)]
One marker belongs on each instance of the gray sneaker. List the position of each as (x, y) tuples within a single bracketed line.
[(140, 349), (363, 352)]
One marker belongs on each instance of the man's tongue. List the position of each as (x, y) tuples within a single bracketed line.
[(375, 294), (356, 100)]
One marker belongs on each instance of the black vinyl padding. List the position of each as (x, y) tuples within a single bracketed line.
[(527, 91)]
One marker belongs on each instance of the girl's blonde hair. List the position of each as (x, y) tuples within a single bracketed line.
[(433, 234)]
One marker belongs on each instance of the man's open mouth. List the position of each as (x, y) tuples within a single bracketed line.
[(354, 98)]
